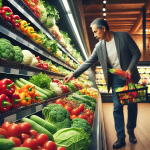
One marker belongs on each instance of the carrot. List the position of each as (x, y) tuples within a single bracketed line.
[(118, 72)]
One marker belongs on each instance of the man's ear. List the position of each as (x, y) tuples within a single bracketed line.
[(103, 28)]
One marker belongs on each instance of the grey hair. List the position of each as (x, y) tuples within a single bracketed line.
[(99, 23)]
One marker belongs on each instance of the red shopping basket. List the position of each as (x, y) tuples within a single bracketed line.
[(132, 96)]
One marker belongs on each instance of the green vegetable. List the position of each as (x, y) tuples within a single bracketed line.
[(36, 87), (41, 80), (18, 55), (83, 124), (72, 139), (43, 38), (78, 92), (89, 98), (6, 144), (52, 92), (50, 22), (20, 84), (65, 36), (38, 128), (20, 148), (43, 123), (57, 115), (43, 16), (0, 3), (71, 86), (6, 49)]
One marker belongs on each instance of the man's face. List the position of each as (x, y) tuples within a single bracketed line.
[(98, 34)]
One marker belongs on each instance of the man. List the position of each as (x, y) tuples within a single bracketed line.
[(115, 50)]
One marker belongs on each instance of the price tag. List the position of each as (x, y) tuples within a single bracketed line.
[(10, 118), (29, 73), (19, 39), (39, 107), (14, 71), (31, 46)]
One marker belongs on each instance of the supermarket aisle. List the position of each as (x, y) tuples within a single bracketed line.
[(142, 130)]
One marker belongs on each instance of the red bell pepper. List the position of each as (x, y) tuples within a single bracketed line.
[(15, 20), (4, 103), (37, 11), (40, 65), (15, 101), (7, 87), (6, 13), (31, 5)]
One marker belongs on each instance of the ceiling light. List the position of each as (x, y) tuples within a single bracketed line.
[(104, 2), (146, 30), (104, 9), (104, 14), (104, 18), (149, 30)]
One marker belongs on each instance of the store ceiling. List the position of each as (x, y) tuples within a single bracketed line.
[(121, 15)]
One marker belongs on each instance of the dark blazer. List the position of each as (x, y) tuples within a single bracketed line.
[(128, 55)]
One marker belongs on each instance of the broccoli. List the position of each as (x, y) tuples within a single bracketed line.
[(57, 115), (6, 50), (18, 55), (83, 124)]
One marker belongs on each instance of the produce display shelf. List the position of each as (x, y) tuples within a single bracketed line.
[(12, 67), (38, 23), (33, 47), (23, 111)]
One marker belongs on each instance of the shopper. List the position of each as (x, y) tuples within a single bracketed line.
[(116, 50)]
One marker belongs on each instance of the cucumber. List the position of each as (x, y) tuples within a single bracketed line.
[(36, 87), (20, 148), (20, 84), (89, 98), (52, 93), (6, 144)]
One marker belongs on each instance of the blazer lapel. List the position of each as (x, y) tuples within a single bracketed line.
[(117, 42)]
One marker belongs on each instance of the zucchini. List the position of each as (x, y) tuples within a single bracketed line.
[(50, 127), (6, 144), (89, 98), (38, 128), (36, 87), (20, 84), (20, 148)]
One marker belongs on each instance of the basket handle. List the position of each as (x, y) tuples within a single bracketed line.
[(129, 80)]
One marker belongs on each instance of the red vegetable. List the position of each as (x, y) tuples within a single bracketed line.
[(15, 20), (31, 143), (73, 116), (6, 13), (31, 5), (83, 117), (33, 134), (61, 148), (37, 12), (3, 133), (23, 137), (5, 125), (4, 103), (7, 87), (81, 107), (50, 145), (15, 101), (68, 107), (76, 111), (14, 130), (25, 127), (119, 72), (42, 139), (55, 80), (16, 141)]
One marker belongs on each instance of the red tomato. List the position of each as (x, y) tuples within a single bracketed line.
[(76, 111), (5, 125), (16, 141), (73, 116), (90, 122), (81, 107), (14, 130), (59, 101), (69, 108), (3, 132), (31, 143), (91, 117), (25, 127), (23, 137), (61, 148), (50, 145), (41, 139), (33, 134), (83, 117), (88, 113)]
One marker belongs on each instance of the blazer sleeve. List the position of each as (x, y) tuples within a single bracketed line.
[(135, 52), (87, 64)]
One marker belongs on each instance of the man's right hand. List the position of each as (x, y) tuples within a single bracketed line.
[(68, 78)]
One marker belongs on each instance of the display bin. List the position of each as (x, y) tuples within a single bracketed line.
[(132, 96)]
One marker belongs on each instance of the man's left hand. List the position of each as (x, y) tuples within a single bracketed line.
[(129, 72)]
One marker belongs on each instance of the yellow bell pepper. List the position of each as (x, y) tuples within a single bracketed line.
[(23, 25)]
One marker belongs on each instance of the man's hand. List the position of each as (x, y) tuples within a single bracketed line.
[(129, 72), (68, 78)]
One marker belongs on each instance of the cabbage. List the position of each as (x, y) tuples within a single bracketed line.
[(50, 22), (43, 16), (72, 139)]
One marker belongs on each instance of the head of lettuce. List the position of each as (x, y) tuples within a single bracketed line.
[(72, 139)]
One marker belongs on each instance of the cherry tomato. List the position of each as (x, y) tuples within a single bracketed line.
[(3, 132), (76, 111), (5, 125), (88, 114), (81, 107), (25, 127), (31, 143), (16, 141), (14, 130), (73, 116), (69, 108), (61, 148), (41, 139), (50, 145), (90, 122), (33, 134), (91, 117), (59, 101), (83, 117), (23, 137)]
